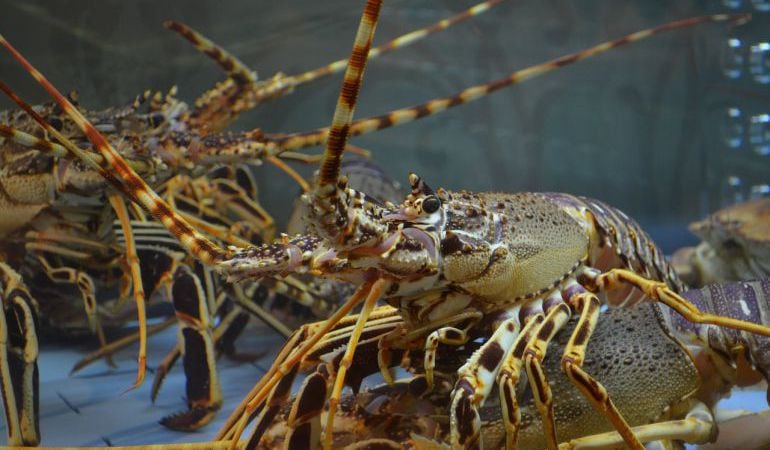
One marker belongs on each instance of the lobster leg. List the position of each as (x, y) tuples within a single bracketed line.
[(659, 291), (304, 420), (697, 427), (163, 369), (288, 359), (86, 286), (18, 359), (173, 355), (508, 379), (265, 413), (371, 300), (589, 305), (403, 339), (237, 200), (118, 344), (245, 303), (119, 206), (305, 416), (556, 317), (228, 330), (446, 335), (204, 395), (476, 379)]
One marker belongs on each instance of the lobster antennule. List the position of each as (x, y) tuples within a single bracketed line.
[(128, 182), (295, 141)]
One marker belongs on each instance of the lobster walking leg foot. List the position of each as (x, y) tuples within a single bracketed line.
[(588, 304), (163, 369)]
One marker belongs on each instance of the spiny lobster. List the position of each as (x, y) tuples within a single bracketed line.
[(456, 265), (168, 139), (735, 246)]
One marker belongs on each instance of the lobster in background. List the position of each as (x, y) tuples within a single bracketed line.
[(735, 246)]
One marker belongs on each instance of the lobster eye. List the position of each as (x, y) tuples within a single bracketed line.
[(430, 204)]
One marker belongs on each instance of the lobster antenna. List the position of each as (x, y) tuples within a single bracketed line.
[(346, 102), (33, 142), (127, 180), (273, 88), (234, 67), (326, 192), (401, 116), (30, 141), (394, 44)]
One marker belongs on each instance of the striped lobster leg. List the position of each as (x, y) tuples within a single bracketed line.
[(18, 359)]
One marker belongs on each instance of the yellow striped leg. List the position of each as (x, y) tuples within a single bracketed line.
[(475, 382), (508, 379), (698, 427), (119, 206), (658, 291), (588, 304), (555, 320)]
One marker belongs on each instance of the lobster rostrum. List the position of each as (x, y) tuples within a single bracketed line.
[(456, 265)]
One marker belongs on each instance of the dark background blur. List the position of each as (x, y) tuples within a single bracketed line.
[(642, 128)]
